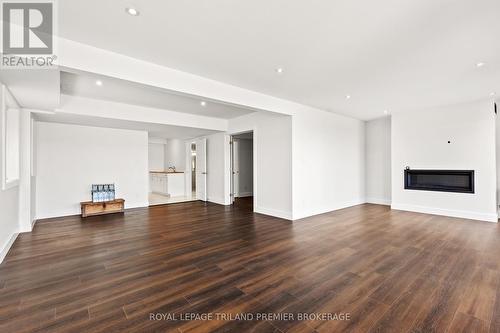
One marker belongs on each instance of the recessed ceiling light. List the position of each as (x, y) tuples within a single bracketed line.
[(98, 83), (203, 103), (348, 97), (132, 11), (480, 64), (279, 70)]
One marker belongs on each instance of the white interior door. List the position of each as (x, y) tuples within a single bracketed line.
[(201, 169), (187, 172), (236, 169)]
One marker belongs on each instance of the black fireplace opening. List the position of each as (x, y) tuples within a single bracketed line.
[(461, 181)]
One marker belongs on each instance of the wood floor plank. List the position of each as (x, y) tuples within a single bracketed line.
[(391, 271), (403, 313), (495, 320), (463, 323), (438, 311), (479, 297)]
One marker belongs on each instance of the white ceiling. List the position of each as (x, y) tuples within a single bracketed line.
[(33, 89), (116, 90), (153, 129), (386, 54)]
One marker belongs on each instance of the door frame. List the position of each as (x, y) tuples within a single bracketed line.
[(231, 193), (204, 173), (188, 171)]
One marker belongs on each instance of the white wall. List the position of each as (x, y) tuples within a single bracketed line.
[(328, 163), (12, 147), (272, 142), (378, 161), (175, 154), (9, 202), (244, 167), (420, 141), (71, 158), (25, 195), (9, 198), (156, 156)]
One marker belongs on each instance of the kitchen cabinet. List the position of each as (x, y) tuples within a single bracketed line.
[(167, 183), (159, 183)]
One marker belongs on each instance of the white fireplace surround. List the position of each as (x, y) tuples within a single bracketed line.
[(461, 137)]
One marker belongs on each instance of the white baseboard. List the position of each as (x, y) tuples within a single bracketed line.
[(447, 212), (67, 213), (318, 211), (7, 247), (244, 195), (379, 201), (219, 201), (273, 212), (138, 205)]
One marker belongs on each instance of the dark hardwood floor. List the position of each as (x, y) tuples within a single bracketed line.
[(391, 271)]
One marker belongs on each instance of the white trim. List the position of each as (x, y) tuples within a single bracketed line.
[(7, 246), (273, 212), (244, 194), (379, 201), (489, 217), (218, 200), (33, 223), (255, 176), (137, 205), (39, 111), (227, 167), (188, 172), (10, 184), (309, 213)]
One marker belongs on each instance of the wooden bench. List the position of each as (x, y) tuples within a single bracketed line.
[(90, 208)]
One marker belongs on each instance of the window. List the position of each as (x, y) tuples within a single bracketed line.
[(10, 150)]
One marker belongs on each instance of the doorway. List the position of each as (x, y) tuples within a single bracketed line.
[(201, 169), (174, 168), (196, 172), (242, 169), (193, 169)]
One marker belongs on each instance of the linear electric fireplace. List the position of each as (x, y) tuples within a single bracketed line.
[(461, 181)]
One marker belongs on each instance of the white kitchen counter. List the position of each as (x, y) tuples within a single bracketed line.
[(167, 183)]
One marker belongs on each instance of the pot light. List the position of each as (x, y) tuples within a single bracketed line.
[(132, 11), (348, 97), (279, 70), (98, 83), (203, 103), (480, 64)]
